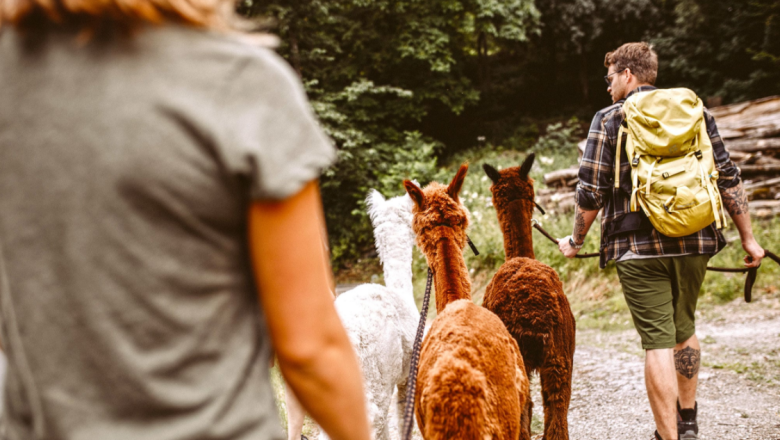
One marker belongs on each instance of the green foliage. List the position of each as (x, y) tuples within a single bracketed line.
[(373, 70), (560, 137), (405, 84), (720, 48), (595, 295)]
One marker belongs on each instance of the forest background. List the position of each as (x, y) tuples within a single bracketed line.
[(407, 87)]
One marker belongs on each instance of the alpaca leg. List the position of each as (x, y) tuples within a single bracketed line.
[(528, 412), (556, 395), (401, 407), (525, 420), (295, 415), (381, 406)]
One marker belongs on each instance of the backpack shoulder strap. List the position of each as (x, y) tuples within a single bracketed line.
[(721, 221), (622, 139)]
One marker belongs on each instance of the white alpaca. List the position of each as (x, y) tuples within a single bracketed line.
[(381, 321)]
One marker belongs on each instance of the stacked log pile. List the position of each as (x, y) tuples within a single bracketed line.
[(751, 132)]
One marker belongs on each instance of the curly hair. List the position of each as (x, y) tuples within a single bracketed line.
[(640, 58)]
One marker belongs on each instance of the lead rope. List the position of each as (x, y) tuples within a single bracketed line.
[(551, 238), (752, 272), (411, 387)]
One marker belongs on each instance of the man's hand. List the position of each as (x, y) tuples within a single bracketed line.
[(582, 221), (736, 204), (566, 248), (755, 253)]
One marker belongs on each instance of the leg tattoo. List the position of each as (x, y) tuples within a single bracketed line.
[(686, 361)]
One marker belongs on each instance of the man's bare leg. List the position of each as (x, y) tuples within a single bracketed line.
[(661, 383), (295, 414), (687, 358)]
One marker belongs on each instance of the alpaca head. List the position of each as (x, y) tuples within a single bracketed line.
[(511, 185), (438, 213), (392, 220)]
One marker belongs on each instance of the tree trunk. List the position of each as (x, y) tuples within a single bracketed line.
[(295, 54), (584, 76)]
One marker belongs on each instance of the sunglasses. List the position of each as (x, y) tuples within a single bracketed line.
[(609, 80)]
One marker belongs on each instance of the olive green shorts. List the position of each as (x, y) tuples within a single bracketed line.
[(661, 294)]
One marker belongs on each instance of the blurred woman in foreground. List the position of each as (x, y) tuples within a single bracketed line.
[(160, 229)]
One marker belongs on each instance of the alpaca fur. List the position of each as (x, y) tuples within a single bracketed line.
[(381, 321), (472, 383), (528, 297)]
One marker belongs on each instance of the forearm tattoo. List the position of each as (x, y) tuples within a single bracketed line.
[(735, 200), (686, 361), (579, 227)]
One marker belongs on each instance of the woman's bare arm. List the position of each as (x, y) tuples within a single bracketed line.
[(293, 279)]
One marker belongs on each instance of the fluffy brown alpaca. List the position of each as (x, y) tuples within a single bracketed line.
[(528, 297), (471, 380)]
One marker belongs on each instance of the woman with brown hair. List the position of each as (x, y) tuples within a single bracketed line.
[(160, 229)]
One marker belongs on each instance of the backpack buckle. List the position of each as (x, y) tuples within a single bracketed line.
[(635, 162), (698, 154), (665, 174)]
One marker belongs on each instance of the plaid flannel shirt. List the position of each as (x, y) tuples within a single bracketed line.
[(596, 190)]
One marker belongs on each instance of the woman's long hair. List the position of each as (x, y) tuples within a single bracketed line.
[(92, 15)]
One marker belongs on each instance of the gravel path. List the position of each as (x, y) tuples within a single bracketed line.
[(739, 382)]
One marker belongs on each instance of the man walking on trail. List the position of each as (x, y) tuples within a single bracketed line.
[(660, 275)]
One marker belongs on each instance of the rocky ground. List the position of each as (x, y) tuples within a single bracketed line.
[(739, 388), (739, 381)]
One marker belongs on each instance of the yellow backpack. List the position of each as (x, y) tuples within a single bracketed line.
[(674, 179)]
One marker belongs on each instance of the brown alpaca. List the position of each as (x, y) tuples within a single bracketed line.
[(528, 297), (471, 380)]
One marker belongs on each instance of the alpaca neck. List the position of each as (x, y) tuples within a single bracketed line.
[(516, 226), (395, 252), (450, 275)]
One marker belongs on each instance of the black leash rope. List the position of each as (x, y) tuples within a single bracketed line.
[(411, 385), (554, 240), (750, 280), (471, 245)]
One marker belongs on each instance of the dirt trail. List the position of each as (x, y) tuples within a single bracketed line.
[(739, 382)]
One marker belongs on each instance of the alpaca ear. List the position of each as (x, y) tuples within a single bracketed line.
[(491, 172), (457, 182), (525, 168), (374, 201), (374, 198), (415, 193)]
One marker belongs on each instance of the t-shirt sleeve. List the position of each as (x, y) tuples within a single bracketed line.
[(270, 136)]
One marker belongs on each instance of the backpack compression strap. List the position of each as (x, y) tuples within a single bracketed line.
[(710, 181), (621, 141)]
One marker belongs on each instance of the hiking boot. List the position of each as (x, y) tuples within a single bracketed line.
[(687, 428), (657, 436)]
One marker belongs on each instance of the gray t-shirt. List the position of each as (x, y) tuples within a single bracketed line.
[(126, 170)]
